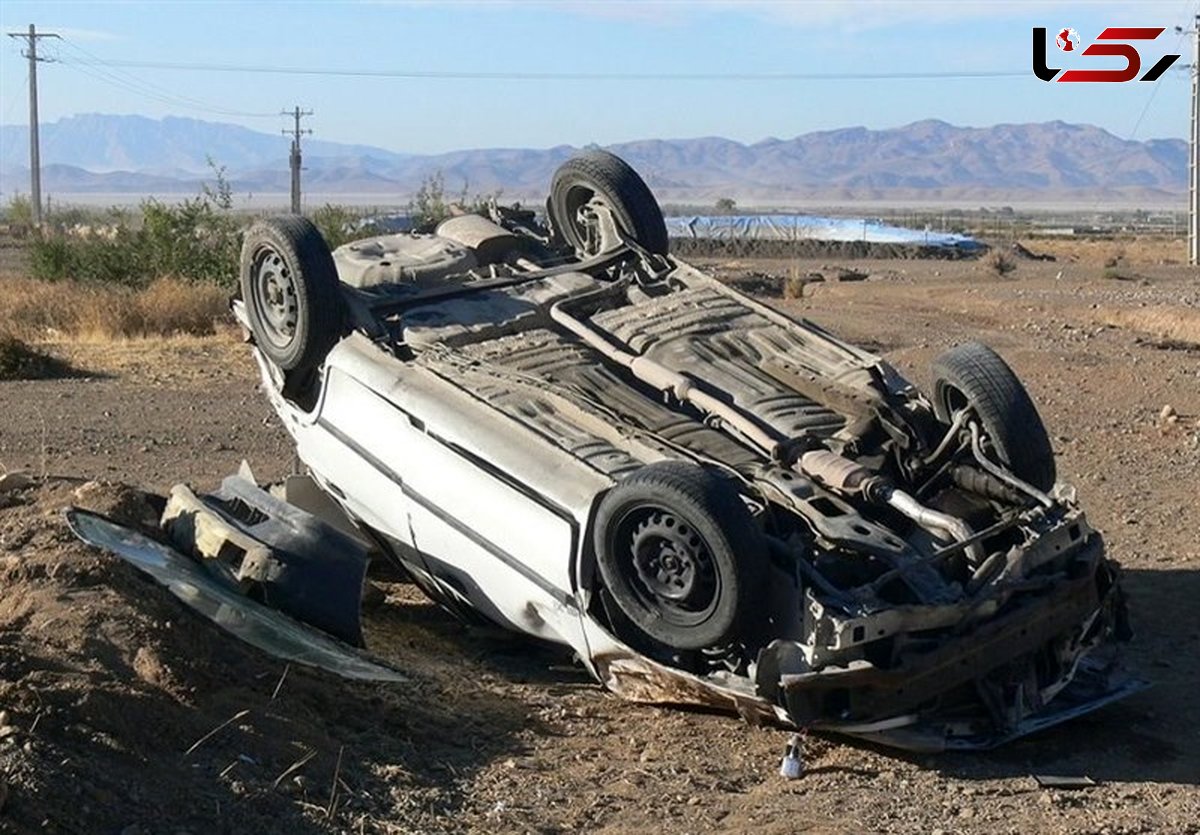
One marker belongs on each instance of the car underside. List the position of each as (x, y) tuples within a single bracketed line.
[(709, 500)]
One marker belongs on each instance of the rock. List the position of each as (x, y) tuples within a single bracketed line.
[(16, 480), (8, 730), (1168, 412)]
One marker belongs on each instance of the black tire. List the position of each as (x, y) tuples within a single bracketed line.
[(599, 174), (291, 292), (972, 375), (690, 529)]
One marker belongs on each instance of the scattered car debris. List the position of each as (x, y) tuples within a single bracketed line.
[(851, 274), (561, 427), (1064, 781), (791, 767), (253, 622), (1023, 252), (273, 551)]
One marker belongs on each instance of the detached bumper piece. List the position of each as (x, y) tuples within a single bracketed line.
[(258, 625), (273, 552)]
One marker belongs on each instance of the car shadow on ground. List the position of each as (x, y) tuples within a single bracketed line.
[(414, 630), (1141, 739)]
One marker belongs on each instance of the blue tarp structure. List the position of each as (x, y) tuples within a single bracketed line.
[(764, 228), (811, 228)]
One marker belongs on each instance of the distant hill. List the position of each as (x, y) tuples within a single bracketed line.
[(172, 146), (925, 160)]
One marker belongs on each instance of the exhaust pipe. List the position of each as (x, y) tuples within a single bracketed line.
[(845, 476)]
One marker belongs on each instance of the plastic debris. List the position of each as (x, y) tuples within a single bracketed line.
[(791, 767), (256, 624)]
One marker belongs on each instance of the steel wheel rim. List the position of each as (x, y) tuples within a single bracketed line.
[(275, 297), (668, 565)]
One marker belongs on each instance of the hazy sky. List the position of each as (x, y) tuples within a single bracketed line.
[(664, 37)]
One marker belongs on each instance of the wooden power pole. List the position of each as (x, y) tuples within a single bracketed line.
[(1194, 154), (296, 113), (35, 158)]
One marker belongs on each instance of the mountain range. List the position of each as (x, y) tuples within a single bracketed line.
[(926, 160)]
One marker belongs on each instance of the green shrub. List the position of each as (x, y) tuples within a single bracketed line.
[(341, 224), (195, 240), (431, 205), (18, 214), (192, 240), (52, 258)]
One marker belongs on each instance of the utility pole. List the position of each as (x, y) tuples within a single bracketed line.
[(1194, 151), (296, 113), (35, 158)]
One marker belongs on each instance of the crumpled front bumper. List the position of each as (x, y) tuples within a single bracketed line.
[(1047, 657), (1093, 687)]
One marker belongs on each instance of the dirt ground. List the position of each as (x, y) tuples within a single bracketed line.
[(110, 689)]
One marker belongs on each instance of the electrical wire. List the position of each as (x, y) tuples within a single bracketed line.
[(1149, 101), (97, 68), (521, 75)]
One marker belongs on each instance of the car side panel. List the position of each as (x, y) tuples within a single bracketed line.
[(487, 534)]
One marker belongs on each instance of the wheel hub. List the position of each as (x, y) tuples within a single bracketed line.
[(672, 562), (276, 291)]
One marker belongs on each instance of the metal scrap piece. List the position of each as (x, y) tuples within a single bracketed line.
[(1064, 781), (281, 554), (260, 626)]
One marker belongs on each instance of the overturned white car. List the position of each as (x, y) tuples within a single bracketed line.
[(560, 427)]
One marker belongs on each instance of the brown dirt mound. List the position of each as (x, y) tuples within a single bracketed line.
[(112, 692), (18, 361)]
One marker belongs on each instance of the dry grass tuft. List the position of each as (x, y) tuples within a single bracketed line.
[(999, 262), (168, 307)]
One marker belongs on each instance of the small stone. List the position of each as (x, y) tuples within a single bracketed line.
[(16, 480), (1168, 411)]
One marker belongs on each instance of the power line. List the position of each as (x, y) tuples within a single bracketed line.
[(96, 68), (1153, 92), (519, 75)]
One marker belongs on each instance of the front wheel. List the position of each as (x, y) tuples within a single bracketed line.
[(681, 556), (291, 292)]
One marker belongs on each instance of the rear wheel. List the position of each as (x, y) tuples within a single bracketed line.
[(972, 376), (681, 556), (290, 289), (595, 181)]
